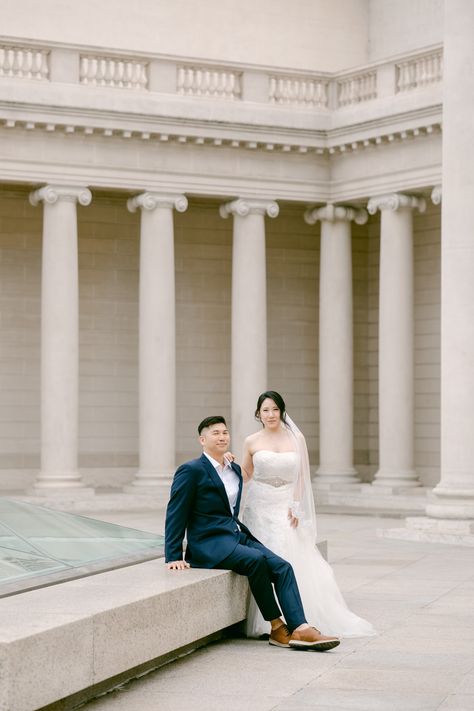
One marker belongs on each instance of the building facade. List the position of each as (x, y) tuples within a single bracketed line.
[(198, 202)]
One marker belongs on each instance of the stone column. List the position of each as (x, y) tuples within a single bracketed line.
[(453, 497), (336, 372), (59, 341), (157, 342), (396, 341), (249, 311)]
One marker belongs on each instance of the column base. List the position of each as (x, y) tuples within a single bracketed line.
[(425, 529), (336, 478), (395, 481), (67, 493), (150, 483), (451, 504), (62, 486)]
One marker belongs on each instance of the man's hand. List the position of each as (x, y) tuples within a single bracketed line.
[(177, 565)]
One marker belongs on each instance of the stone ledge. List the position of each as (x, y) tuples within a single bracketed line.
[(431, 530), (61, 640)]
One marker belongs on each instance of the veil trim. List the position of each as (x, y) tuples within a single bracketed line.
[(303, 497)]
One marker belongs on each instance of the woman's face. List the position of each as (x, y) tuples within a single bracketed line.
[(270, 414)]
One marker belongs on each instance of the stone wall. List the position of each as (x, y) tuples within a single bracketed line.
[(327, 35)]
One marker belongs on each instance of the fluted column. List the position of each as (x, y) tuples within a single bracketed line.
[(157, 341), (249, 311), (336, 371), (59, 340), (396, 340), (453, 497)]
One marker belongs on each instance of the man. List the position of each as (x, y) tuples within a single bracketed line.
[(205, 500)]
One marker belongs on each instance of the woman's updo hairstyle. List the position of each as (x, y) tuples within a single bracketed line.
[(277, 399)]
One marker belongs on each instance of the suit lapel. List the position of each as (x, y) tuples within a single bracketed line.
[(216, 480)]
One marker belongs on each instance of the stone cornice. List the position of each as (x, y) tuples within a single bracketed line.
[(395, 201), (245, 206), (51, 194), (152, 200), (335, 213)]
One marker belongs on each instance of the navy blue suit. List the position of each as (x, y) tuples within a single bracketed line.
[(199, 506)]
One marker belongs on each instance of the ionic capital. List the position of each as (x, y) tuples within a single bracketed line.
[(243, 207), (395, 201), (151, 201), (335, 213), (437, 195), (51, 194)]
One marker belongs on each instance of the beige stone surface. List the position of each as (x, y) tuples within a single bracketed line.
[(416, 594)]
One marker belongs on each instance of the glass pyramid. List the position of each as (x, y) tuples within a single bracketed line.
[(39, 546)]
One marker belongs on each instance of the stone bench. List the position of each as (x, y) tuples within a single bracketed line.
[(84, 636)]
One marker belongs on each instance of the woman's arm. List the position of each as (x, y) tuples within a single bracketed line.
[(247, 463)]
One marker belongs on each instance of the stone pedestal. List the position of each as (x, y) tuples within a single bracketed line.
[(157, 347), (60, 341), (336, 372), (249, 311), (396, 342)]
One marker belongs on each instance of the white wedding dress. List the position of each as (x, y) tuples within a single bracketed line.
[(269, 495)]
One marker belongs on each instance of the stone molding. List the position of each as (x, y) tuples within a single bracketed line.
[(335, 213), (150, 201), (243, 207), (52, 193), (395, 201), (437, 195)]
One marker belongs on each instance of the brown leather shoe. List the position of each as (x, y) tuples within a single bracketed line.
[(311, 638), (280, 637)]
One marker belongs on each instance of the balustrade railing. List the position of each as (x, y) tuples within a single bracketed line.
[(215, 83), (356, 88), (24, 63), (229, 83), (419, 71), (113, 71), (298, 91)]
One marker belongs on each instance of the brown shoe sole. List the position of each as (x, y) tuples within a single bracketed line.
[(317, 646), (277, 644)]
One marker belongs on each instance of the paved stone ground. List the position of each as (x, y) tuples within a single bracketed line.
[(420, 596)]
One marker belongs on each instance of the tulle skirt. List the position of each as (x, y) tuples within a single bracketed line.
[(265, 514)]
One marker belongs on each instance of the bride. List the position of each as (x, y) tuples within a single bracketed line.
[(279, 510)]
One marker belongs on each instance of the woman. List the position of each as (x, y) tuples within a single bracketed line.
[(279, 510)]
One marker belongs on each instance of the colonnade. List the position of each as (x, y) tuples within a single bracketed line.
[(157, 374)]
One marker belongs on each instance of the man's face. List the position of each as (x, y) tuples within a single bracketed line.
[(215, 439)]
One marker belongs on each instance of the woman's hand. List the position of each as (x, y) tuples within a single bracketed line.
[(292, 519), (229, 456)]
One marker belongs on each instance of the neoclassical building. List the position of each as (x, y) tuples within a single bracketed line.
[(199, 201)]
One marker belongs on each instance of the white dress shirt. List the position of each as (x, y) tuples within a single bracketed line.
[(229, 478)]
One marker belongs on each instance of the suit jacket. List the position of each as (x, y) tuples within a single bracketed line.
[(199, 505)]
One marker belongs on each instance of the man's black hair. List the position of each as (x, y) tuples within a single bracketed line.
[(209, 421)]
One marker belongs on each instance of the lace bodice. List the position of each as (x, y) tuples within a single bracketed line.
[(275, 468)]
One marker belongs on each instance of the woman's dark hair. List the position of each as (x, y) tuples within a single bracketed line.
[(209, 421), (277, 399)]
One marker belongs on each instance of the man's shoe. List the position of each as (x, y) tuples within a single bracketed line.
[(311, 638), (280, 637)]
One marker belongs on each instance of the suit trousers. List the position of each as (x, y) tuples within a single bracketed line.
[(262, 567)]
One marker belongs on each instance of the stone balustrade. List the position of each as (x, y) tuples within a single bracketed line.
[(170, 75), (357, 88), (115, 72), (298, 91), (215, 83), (420, 71), (24, 63)]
